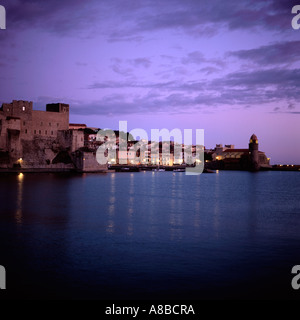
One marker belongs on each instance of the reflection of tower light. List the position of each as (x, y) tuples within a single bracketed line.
[(110, 228), (130, 206), (19, 199)]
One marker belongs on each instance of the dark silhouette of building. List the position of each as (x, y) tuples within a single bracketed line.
[(239, 159)]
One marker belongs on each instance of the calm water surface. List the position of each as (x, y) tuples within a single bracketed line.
[(150, 235)]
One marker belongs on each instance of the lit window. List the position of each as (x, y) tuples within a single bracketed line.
[(23, 108)]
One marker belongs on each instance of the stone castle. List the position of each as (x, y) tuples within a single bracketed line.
[(34, 140)]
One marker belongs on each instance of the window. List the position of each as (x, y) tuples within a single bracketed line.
[(45, 131), (57, 124), (52, 133), (24, 123), (34, 131), (23, 108), (26, 131), (40, 131), (49, 124)]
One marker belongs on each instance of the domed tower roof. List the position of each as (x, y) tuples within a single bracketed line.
[(253, 138)]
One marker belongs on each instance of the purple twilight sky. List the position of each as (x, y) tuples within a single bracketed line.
[(231, 68)]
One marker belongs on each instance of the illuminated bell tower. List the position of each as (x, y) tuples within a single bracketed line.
[(253, 153)]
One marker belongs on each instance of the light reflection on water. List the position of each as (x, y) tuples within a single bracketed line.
[(130, 206), (19, 199), (155, 232), (111, 209)]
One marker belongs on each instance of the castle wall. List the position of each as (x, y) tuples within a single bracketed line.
[(45, 123), (32, 134), (72, 139), (87, 162), (41, 140)]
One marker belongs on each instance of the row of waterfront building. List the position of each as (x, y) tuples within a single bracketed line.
[(45, 140)]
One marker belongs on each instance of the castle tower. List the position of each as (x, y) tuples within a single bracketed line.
[(253, 153)]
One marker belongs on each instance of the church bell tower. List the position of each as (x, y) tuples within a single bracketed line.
[(253, 153)]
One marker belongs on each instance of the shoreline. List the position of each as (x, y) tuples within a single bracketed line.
[(132, 168)]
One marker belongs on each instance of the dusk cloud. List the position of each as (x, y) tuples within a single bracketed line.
[(196, 17), (275, 54), (239, 88), (141, 62), (158, 58)]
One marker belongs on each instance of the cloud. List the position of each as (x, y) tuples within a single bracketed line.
[(274, 54), (126, 72), (291, 106), (127, 84), (209, 70), (206, 18), (140, 62), (128, 21), (195, 57), (60, 17), (258, 87), (119, 105), (127, 67), (239, 88), (286, 78), (279, 82), (198, 58)]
